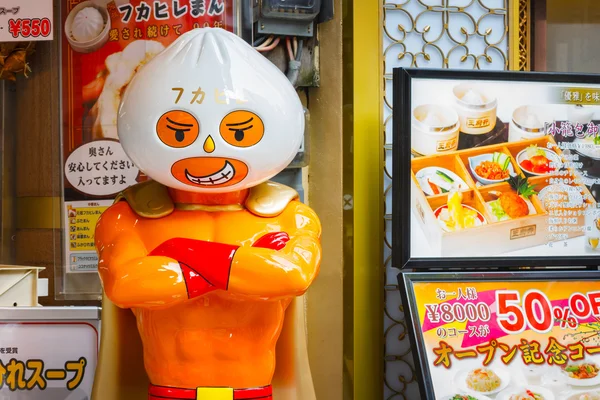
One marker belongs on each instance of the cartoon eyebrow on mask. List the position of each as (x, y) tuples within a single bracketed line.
[(240, 123), (179, 124)]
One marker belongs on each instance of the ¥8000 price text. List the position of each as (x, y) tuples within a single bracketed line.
[(516, 314), (458, 312)]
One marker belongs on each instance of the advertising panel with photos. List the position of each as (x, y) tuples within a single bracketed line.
[(506, 336), (104, 44), (498, 166)]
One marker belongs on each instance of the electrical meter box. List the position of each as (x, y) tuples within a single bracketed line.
[(288, 17), (300, 10)]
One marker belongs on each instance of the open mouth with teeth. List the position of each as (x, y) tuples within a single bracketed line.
[(209, 172), (223, 176)]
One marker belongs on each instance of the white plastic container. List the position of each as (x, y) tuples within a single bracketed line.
[(476, 109), (19, 286), (435, 129), (90, 45), (528, 122)]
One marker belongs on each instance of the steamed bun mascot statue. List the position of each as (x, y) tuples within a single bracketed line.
[(208, 255)]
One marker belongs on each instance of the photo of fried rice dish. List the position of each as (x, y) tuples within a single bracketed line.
[(483, 380), (582, 371), (526, 395)]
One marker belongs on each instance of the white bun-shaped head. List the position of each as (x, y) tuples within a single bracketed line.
[(87, 24), (210, 114)]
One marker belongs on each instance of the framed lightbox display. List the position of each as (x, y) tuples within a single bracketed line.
[(495, 169)]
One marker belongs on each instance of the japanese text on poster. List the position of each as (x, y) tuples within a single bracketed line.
[(100, 168), (26, 20), (509, 337), (81, 218), (105, 42)]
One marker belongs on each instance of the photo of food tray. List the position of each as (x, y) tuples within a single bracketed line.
[(508, 200)]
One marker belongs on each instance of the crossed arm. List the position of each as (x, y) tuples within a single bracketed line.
[(277, 265)]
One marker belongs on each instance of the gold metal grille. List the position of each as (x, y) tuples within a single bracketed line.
[(524, 14), (465, 34)]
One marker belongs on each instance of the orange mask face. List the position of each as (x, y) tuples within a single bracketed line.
[(179, 129)]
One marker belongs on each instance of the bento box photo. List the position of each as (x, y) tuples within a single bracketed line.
[(497, 199)]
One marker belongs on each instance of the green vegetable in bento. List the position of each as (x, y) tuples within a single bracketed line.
[(501, 159), (444, 176), (572, 369), (497, 210), (521, 185)]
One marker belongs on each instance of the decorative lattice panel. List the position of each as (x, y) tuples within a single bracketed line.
[(458, 34)]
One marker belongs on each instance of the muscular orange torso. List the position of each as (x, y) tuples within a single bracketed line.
[(214, 340), (223, 338), (219, 339)]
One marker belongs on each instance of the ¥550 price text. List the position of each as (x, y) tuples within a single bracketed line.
[(30, 27)]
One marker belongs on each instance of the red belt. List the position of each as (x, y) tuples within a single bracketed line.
[(169, 393)]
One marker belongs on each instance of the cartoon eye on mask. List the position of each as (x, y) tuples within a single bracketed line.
[(177, 128), (242, 128)]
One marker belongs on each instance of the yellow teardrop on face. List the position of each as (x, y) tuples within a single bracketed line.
[(209, 144)]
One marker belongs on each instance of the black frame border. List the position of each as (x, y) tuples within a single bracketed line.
[(401, 148), (415, 334)]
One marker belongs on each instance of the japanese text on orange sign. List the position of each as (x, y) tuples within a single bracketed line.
[(162, 11), (28, 374), (488, 321)]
